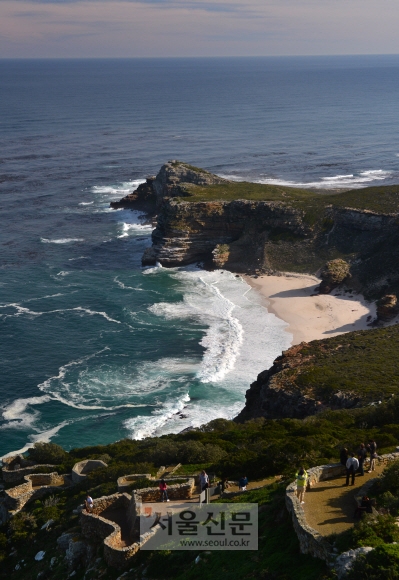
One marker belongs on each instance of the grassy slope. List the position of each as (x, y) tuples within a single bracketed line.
[(383, 199), (365, 362)]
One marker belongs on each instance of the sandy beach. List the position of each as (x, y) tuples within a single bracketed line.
[(289, 297)]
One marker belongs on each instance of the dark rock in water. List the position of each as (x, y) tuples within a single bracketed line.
[(387, 308), (333, 274)]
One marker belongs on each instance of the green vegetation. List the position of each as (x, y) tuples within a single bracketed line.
[(47, 453), (278, 557), (363, 362), (232, 190), (384, 199), (188, 166), (380, 564)]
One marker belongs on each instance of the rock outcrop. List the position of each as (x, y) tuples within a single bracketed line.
[(387, 308), (333, 274), (170, 181)]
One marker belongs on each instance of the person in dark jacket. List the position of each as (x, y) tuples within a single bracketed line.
[(243, 483), (365, 507), (343, 456), (361, 455)]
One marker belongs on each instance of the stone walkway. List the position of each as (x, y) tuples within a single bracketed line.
[(330, 505)]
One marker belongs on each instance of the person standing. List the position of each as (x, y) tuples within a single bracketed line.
[(361, 455), (372, 447), (352, 465), (89, 504), (204, 480), (243, 482), (343, 456), (301, 483), (163, 488)]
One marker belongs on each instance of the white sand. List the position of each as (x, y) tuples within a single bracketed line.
[(312, 317)]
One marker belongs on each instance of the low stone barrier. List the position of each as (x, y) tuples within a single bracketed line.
[(310, 540), (125, 481), (17, 497), (16, 467), (175, 491), (94, 526), (82, 468)]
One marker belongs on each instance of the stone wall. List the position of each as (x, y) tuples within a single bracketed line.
[(94, 526), (17, 497), (310, 540), (176, 491), (125, 481), (11, 475), (82, 468)]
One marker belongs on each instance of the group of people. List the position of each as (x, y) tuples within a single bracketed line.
[(354, 462)]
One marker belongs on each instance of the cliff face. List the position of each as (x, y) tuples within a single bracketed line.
[(189, 232), (344, 372)]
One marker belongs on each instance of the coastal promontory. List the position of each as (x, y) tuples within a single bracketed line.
[(258, 228)]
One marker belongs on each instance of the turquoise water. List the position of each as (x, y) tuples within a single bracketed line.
[(93, 347)]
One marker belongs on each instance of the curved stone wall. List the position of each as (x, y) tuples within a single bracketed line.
[(310, 540), (15, 470), (82, 468), (18, 496)]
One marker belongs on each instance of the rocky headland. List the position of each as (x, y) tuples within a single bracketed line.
[(257, 228)]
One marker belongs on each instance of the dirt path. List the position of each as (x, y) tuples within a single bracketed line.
[(329, 505)]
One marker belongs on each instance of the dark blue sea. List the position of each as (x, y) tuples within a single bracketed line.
[(93, 347)]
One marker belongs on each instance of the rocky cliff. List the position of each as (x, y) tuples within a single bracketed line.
[(344, 372), (171, 181), (253, 228)]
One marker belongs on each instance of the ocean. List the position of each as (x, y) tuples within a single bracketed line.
[(94, 348)]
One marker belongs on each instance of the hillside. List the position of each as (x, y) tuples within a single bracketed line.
[(345, 372)]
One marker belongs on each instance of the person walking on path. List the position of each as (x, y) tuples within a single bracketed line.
[(163, 487), (372, 448), (352, 465), (301, 483), (343, 456), (204, 480), (243, 482), (361, 455)]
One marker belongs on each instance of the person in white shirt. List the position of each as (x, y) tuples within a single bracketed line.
[(89, 504), (352, 465)]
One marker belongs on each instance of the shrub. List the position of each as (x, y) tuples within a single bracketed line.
[(167, 452), (380, 564), (375, 531), (390, 479), (51, 501), (3, 542), (22, 526), (47, 453)]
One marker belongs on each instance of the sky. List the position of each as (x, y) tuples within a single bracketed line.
[(189, 28)]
